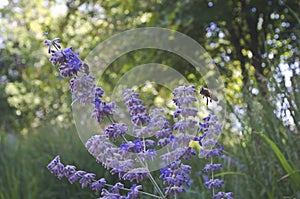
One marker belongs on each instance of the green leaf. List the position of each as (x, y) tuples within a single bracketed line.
[(294, 175)]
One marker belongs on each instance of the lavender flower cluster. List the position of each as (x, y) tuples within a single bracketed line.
[(129, 159)]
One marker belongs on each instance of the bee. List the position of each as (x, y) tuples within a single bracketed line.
[(208, 94), (85, 68)]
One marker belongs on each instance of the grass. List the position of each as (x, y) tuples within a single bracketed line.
[(261, 170), (23, 163)]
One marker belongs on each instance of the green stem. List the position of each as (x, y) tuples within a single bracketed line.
[(150, 176)]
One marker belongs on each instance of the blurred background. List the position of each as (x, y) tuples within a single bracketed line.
[(253, 43)]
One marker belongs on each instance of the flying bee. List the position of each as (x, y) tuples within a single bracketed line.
[(208, 94), (85, 68)]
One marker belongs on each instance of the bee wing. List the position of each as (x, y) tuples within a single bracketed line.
[(85, 68), (213, 97)]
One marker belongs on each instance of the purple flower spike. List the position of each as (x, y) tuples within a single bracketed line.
[(135, 191), (69, 63), (136, 174), (86, 179), (136, 109), (150, 131), (113, 193), (99, 93), (174, 176), (114, 130), (72, 59), (83, 89), (184, 90), (98, 185), (102, 109), (211, 167), (56, 167), (56, 57), (223, 195), (53, 163), (211, 148), (214, 183), (174, 190), (69, 170), (184, 101), (76, 176)]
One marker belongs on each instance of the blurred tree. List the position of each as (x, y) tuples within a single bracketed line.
[(32, 89), (254, 43)]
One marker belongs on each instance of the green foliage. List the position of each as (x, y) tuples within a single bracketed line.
[(289, 169), (24, 159), (254, 44)]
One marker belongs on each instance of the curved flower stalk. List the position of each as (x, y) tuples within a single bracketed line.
[(87, 180), (151, 130), (211, 148)]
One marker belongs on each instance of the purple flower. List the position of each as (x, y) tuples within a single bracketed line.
[(135, 191), (158, 119), (211, 130), (174, 176), (180, 143), (136, 146), (149, 154), (87, 179), (211, 152), (97, 144), (214, 183), (69, 63), (72, 60), (185, 125), (83, 89), (186, 112), (120, 167), (136, 109), (113, 193), (184, 90), (121, 160), (174, 190), (136, 174), (102, 109), (54, 162), (211, 148), (108, 195), (212, 167), (176, 154), (223, 195), (99, 93), (98, 185), (114, 130), (69, 170), (189, 153), (144, 131), (160, 126), (189, 111), (76, 176), (56, 167), (184, 100), (56, 57), (149, 143)]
